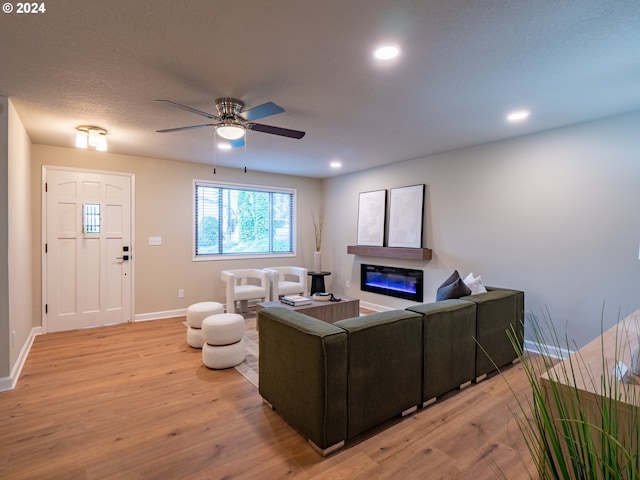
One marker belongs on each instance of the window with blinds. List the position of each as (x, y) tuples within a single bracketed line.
[(239, 220)]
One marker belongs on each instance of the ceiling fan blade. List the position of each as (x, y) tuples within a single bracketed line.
[(261, 111), (283, 132), (237, 143), (191, 127), (192, 110)]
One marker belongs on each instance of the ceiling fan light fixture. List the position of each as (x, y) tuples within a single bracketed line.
[(230, 131)]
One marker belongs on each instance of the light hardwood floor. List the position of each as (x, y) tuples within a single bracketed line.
[(134, 401)]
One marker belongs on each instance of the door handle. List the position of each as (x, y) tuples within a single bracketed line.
[(124, 257)]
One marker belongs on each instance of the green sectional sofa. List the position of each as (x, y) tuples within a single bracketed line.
[(384, 346), (334, 381), (498, 310), (449, 352)]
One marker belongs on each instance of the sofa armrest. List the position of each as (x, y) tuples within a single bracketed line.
[(449, 346), (385, 366), (303, 373)]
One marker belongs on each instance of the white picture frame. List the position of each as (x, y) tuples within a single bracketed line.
[(406, 207), (371, 217)]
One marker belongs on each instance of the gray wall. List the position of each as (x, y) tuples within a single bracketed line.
[(554, 214)]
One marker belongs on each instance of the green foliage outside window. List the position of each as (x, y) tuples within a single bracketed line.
[(243, 220)]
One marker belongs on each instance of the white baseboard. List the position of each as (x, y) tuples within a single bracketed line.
[(9, 383), (549, 350), (529, 346), (143, 317), (375, 307)]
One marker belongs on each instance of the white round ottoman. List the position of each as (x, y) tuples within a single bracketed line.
[(223, 356), (194, 337), (223, 329), (223, 345), (197, 312)]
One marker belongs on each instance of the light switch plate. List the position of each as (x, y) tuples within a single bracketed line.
[(155, 241)]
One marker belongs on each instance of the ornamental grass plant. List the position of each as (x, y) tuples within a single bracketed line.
[(568, 436)]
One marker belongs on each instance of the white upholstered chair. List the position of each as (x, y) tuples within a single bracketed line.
[(287, 281), (244, 285)]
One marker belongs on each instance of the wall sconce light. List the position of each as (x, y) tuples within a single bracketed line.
[(94, 137)]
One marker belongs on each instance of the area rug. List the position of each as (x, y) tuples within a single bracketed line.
[(249, 368)]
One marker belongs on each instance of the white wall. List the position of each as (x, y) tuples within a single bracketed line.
[(5, 364), (16, 319), (20, 261), (554, 214)]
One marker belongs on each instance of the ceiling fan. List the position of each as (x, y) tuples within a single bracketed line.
[(233, 120)]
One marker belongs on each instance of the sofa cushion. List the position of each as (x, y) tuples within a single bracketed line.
[(303, 373), (449, 345), (499, 311), (385, 366), (453, 287)]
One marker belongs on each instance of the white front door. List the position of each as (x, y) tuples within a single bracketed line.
[(88, 252)]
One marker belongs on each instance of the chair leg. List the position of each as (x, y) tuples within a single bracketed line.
[(231, 305)]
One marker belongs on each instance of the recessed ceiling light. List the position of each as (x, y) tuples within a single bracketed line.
[(386, 52), (224, 146), (518, 115), (335, 164)]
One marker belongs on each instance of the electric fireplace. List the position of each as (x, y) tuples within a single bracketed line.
[(393, 281)]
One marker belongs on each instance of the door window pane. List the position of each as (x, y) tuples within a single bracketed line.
[(91, 218)]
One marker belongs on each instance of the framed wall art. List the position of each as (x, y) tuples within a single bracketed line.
[(406, 206), (371, 217)]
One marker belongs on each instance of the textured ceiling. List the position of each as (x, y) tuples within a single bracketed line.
[(464, 65)]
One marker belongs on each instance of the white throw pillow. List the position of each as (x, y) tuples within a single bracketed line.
[(475, 284)]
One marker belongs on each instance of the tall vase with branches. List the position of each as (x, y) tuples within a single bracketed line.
[(318, 225)]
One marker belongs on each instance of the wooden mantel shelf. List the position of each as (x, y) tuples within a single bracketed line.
[(390, 252)]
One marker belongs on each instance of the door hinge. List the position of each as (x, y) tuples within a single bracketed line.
[(46, 308), (46, 248), (46, 187)]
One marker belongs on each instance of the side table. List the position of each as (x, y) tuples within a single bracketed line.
[(317, 281)]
